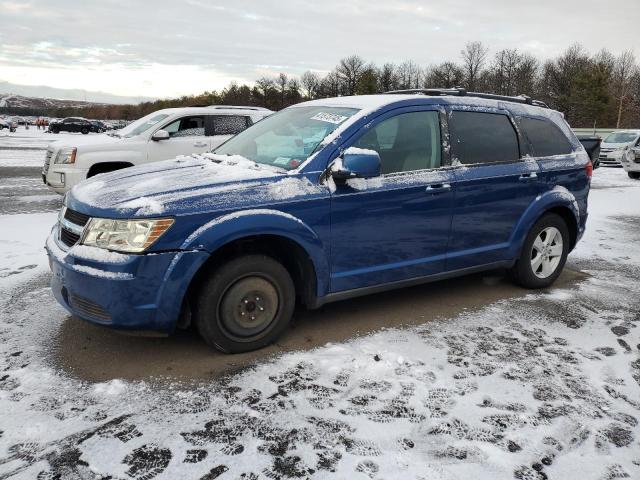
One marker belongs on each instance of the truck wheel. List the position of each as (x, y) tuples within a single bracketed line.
[(634, 175), (544, 253), (84, 130), (245, 304)]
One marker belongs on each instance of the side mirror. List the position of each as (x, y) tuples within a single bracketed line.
[(356, 163), (160, 135)]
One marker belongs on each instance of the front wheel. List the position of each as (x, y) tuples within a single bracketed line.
[(84, 130), (634, 175), (544, 253), (245, 304)]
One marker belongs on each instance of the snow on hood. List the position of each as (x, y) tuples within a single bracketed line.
[(82, 140), (187, 183)]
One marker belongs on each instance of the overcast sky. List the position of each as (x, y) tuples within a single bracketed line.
[(169, 48)]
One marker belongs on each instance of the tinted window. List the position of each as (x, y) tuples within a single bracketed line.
[(546, 139), (186, 127), (478, 137), (229, 124), (407, 142)]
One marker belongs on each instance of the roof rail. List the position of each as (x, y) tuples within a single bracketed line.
[(461, 92), (236, 107)]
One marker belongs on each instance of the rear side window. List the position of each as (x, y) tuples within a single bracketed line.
[(546, 139), (478, 137), (229, 124)]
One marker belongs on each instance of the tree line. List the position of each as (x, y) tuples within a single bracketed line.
[(600, 89)]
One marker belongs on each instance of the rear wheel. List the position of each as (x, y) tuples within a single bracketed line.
[(634, 175), (84, 130), (245, 304), (544, 253)]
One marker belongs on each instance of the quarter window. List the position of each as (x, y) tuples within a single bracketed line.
[(478, 137), (406, 142), (229, 124), (546, 139)]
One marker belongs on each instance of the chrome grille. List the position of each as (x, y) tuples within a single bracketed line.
[(47, 161), (71, 226)]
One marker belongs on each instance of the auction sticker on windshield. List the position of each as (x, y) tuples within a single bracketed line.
[(329, 117)]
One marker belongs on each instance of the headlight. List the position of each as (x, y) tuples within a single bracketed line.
[(66, 155), (124, 235)]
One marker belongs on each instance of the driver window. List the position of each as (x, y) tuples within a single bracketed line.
[(186, 127), (406, 142)]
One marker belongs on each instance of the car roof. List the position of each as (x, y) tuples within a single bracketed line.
[(375, 102)]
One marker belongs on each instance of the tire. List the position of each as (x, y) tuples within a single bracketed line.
[(247, 285), (84, 130), (530, 273), (634, 175), (55, 130)]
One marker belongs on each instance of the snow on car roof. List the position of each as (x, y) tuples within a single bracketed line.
[(218, 110), (369, 103)]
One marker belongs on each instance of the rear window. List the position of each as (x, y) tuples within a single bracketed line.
[(478, 137), (229, 124), (546, 139)]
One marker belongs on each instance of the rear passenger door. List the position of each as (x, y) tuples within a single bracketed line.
[(494, 186), (226, 126)]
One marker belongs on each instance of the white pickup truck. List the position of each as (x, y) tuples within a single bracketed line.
[(159, 136)]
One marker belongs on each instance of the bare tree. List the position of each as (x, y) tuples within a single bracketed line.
[(349, 71), (474, 57), (310, 82), (387, 78), (624, 73), (410, 75), (282, 80), (445, 75)]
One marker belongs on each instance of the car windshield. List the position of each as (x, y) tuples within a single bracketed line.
[(287, 138), (621, 137), (141, 125)]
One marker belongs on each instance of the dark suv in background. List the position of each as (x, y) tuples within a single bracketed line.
[(72, 124)]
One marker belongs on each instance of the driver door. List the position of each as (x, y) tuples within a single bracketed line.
[(394, 227), (186, 136)]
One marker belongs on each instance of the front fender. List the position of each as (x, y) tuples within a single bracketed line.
[(247, 223), (90, 158), (557, 197)]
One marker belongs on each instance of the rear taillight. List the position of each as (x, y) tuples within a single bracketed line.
[(588, 169)]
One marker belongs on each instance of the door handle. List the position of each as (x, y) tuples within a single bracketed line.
[(525, 177), (200, 144), (438, 188)]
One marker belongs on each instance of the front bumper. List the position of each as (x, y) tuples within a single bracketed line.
[(145, 292), (61, 177)]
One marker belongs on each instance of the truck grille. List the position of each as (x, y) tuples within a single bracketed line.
[(88, 308), (47, 161)]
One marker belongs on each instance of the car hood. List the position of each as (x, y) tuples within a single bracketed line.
[(85, 140), (186, 185), (615, 146)]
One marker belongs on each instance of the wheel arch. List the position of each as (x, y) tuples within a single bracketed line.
[(104, 167), (559, 201), (272, 233)]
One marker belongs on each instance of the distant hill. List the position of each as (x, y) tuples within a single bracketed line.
[(19, 102), (74, 96)]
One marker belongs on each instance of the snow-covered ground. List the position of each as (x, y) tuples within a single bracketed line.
[(26, 148), (543, 386)]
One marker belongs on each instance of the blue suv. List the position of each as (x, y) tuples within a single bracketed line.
[(324, 201)]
